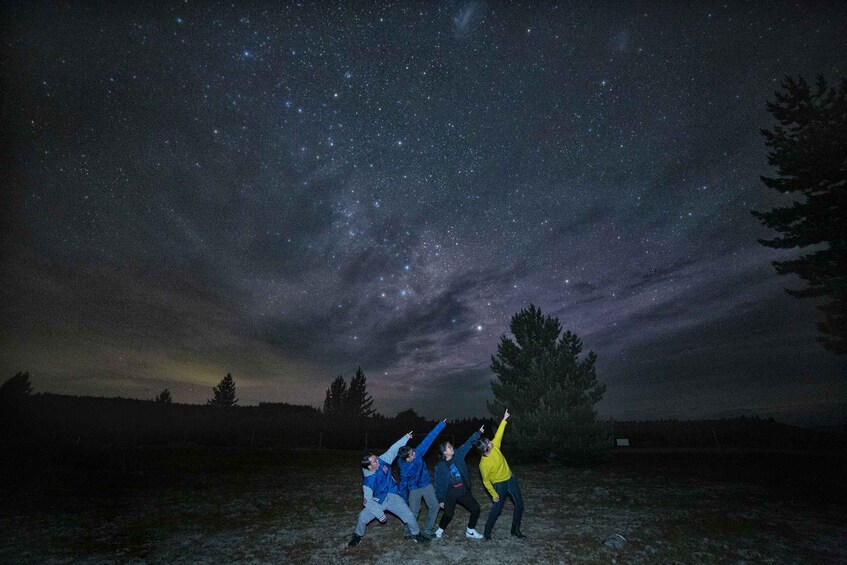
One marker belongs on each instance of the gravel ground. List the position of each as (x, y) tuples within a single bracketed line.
[(288, 509)]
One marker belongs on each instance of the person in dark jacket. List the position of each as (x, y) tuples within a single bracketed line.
[(453, 486), (416, 482)]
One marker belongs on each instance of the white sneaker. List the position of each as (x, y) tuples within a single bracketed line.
[(439, 532), (473, 534)]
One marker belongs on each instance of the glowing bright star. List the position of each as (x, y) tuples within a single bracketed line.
[(479, 328)]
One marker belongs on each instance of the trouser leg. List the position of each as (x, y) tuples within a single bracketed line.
[(365, 516), (515, 491), (449, 509), (501, 489), (469, 502), (431, 508), (414, 506), (398, 507)]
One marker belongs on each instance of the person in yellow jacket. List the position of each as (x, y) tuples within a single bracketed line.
[(499, 480)]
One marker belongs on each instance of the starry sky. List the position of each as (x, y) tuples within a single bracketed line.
[(289, 191)]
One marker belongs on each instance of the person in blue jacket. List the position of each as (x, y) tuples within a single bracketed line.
[(381, 494), (453, 485), (416, 482)]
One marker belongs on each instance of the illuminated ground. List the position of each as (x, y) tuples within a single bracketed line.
[(210, 506)]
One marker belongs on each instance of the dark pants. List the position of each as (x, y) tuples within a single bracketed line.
[(511, 487), (461, 496)]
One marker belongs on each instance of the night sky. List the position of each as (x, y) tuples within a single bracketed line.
[(289, 192)]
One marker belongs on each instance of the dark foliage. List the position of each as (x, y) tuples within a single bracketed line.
[(164, 397), (16, 387), (809, 150), (224, 393), (550, 391), (358, 402), (336, 397)]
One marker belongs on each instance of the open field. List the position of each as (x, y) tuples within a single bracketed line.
[(201, 505)]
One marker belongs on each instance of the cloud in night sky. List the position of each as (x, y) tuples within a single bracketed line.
[(289, 193)]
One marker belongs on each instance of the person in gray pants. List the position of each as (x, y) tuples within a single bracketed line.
[(381, 494), (416, 482)]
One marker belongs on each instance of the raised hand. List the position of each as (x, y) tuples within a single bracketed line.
[(506, 414), (409, 435), (482, 429)]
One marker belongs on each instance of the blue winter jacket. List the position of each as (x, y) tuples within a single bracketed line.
[(414, 474), (377, 485), (442, 469)]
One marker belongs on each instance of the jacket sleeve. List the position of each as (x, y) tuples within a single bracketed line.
[(441, 472), (430, 437), (489, 486), (391, 454), (403, 487), (498, 437), (463, 451), (371, 504)]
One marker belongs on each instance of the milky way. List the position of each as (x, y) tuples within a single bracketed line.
[(289, 192)]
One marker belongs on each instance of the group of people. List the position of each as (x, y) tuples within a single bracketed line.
[(382, 493)]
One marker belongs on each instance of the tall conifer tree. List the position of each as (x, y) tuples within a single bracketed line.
[(358, 402), (550, 390), (224, 393), (809, 151), (336, 398)]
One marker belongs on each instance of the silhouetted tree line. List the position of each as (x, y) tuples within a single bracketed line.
[(92, 421), (86, 420)]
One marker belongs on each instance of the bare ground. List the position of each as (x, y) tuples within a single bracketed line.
[(300, 507)]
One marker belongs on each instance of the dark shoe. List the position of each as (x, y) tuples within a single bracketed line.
[(354, 541), (486, 537), (429, 535), (407, 536), (517, 533), (421, 539)]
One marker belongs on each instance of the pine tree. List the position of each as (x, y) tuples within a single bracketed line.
[(14, 394), (16, 387), (809, 150), (336, 398), (164, 397), (224, 393), (549, 389), (358, 403)]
